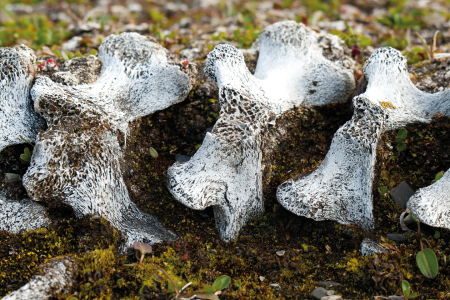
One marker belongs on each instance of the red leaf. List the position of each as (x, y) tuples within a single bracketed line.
[(185, 63), (185, 257)]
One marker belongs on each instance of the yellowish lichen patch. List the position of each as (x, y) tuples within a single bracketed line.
[(387, 104)]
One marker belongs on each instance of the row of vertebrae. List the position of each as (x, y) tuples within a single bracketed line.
[(77, 159), (226, 171), (340, 188)]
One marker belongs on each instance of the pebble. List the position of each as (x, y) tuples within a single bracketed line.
[(281, 252), (182, 158), (319, 293), (261, 278), (401, 194), (12, 178), (333, 297), (396, 237)]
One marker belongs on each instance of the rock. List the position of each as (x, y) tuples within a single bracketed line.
[(182, 158), (328, 284), (134, 7), (319, 293), (12, 178), (400, 238), (333, 297), (72, 44), (401, 194), (330, 293)]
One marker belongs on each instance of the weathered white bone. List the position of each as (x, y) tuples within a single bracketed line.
[(17, 117), (226, 171), (369, 247), (21, 215), (293, 70), (77, 160), (340, 188), (57, 276), (431, 204)]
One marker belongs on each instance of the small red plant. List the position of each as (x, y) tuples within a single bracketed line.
[(355, 51)]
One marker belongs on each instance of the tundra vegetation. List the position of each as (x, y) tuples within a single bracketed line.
[(278, 255)]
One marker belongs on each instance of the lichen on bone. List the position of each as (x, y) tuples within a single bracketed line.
[(340, 188), (77, 160), (17, 117), (226, 171), (57, 276)]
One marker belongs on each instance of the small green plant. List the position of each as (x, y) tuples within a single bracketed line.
[(210, 292), (382, 190), (26, 155), (154, 154), (244, 38), (406, 289), (351, 38), (438, 176), (238, 284), (400, 140), (426, 259)]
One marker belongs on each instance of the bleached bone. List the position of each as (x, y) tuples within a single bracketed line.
[(57, 276), (17, 117), (340, 188), (431, 204), (77, 160), (226, 171), (21, 215), (369, 247)]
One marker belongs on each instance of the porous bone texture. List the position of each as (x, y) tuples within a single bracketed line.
[(21, 215), (226, 171), (17, 117), (57, 276), (77, 160), (340, 188), (431, 204)]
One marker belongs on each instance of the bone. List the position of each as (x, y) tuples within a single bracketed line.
[(340, 189), (369, 247), (57, 276), (226, 171), (431, 204), (17, 118), (77, 160), (25, 215), (294, 71)]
